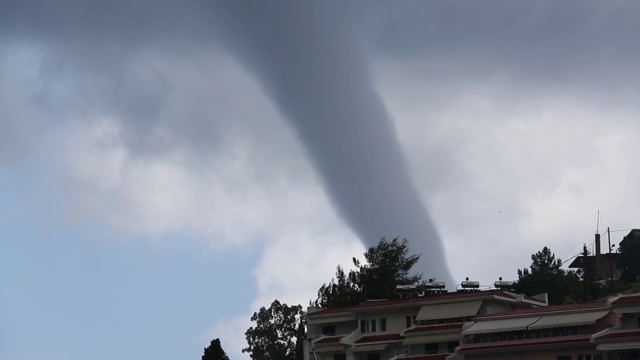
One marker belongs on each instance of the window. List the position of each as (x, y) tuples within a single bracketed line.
[(373, 326), (408, 321), (383, 324), (329, 330), (373, 356), (584, 357), (340, 357), (451, 346), (431, 348), (563, 357), (363, 326)]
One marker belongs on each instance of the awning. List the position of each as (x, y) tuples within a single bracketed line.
[(568, 320), (333, 348), (362, 348), (455, 357), (492, 326), (619, 346), (423, 339), (447, 311), (333, 319)]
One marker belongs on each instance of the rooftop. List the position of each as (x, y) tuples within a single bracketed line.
[(328, 340), (548, 309), (415, 300), (379, 338), (428, 328), (527, 342), (620, 334), (626, 300)]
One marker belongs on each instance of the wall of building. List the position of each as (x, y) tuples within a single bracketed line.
[(542, 354), (490, 307), (396, 320)]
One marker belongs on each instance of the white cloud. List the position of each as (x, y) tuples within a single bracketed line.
[(291, 270), (158, 142), (244, 193), (506, 172)]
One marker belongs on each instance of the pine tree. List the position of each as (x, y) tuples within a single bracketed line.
[(386, 265), (214, 351)]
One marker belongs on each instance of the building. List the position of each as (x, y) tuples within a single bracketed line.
[(621, 341), (561, 332), (427, 327), (605, 265), (588, 331)]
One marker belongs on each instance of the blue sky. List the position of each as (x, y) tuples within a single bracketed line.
[(74, 290), (167, 168)]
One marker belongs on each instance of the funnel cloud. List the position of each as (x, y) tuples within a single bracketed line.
[(309, 64)]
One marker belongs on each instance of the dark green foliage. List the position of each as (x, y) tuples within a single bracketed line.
[(214, 351), (386, 265), (341, 291), (279, 333), (630, 257), (542, 262), (546, 275)]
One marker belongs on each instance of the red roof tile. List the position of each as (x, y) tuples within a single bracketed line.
[(328, 340), (548, 309), (627, 299), (379, 338), (527, 342), (423, 299), (427, 357), (330, 311), (428, 328)]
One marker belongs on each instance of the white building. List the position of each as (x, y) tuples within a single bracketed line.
[(424, 327)]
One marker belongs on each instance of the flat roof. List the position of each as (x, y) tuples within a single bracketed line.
[(423, 300), (548, 309)]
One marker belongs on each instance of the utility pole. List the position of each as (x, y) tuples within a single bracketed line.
[(610, 258)]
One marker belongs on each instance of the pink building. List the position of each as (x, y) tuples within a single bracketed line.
[(418, 328), (621, 341), (588, 331), (476, 325)]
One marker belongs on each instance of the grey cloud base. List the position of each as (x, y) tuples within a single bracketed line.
[(312, 62), (311, 68)]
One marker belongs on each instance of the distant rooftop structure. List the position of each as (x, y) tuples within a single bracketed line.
[(605, 264)]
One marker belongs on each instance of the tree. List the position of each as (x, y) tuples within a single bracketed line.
[(279, 333), (546, 275), (386, 265), (214, 351), (341, 291), (542, 262), (630, 256)]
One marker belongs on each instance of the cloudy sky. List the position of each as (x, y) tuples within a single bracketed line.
[(168, 167)]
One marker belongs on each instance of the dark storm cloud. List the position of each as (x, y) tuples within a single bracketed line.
[(542, 43), (312, 61), (306, 60), (312, 68), (99, 58), (589, 45)]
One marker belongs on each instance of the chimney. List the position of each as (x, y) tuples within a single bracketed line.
[(597, 244)]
